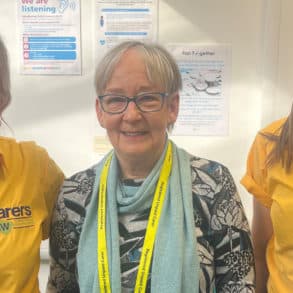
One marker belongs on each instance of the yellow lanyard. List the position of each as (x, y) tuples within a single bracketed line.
[(147, 249)]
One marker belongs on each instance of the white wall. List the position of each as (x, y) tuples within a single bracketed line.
[(58, 111), (238, 23), (284, 84)]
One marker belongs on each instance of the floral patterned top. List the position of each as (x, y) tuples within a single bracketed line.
[(223, 236)]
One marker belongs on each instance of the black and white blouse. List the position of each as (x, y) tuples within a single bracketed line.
[(223, 236)]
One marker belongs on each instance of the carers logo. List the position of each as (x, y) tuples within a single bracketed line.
[(17, 217)]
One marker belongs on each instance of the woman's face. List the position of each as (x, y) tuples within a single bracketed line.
[(134, 133)]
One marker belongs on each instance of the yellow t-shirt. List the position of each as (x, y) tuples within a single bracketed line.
[(273, 187), (29, 184)]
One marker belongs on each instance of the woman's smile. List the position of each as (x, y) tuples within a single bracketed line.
[(134, 133)]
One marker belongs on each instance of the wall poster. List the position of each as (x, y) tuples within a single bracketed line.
[(204, 99), (49, 36), (122, 20)]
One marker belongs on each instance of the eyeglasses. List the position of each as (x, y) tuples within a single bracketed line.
[(145, 102)]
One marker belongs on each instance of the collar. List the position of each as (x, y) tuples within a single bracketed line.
[(132, 182)]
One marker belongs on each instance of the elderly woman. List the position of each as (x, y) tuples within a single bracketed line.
[(30, 183), (149, 217)]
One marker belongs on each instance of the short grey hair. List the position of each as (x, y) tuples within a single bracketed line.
[(5, 95), (162, 69)]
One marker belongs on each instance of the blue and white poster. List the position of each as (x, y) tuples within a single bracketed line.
[(122, 20), (49, 37)]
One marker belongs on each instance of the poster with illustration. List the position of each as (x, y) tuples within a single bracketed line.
[(49, 37), (204, 106), (123, 20)]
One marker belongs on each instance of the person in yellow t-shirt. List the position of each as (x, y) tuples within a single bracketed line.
[(29, 183), (269, 178)]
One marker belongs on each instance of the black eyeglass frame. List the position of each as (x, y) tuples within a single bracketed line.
[(133, 99)]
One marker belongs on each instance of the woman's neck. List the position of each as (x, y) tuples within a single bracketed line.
[(135, 170), (137, 167)]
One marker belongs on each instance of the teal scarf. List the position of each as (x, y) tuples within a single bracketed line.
[(175, 265)]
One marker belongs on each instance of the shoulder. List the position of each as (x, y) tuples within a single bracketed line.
[(26, 146), (30, 150), (77, 189), (264, 142), (212, 184), (31, 146), (25, 150), (12, 145), (217, 204), (80, 182), (34, 154), (211, 168), (84, 174), (29, 157), (274, 127)]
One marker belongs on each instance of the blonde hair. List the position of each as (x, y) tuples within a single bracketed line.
[(160, 66), (283, 147)]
